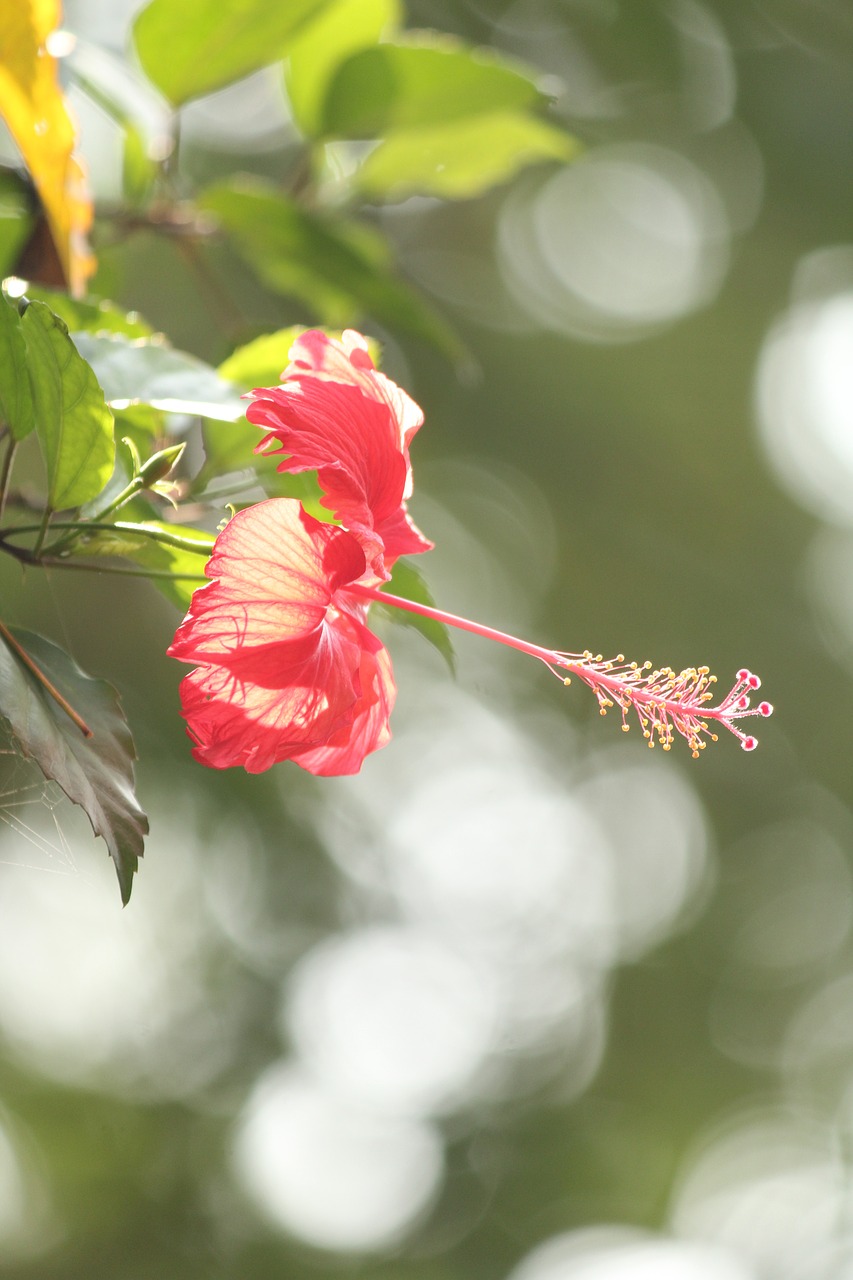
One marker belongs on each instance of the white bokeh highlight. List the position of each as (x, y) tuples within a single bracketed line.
[(339, 1176), (626, 240), (620, 1253)]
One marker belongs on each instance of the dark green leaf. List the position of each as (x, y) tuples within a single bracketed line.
[(327, 264), (16, 400), (421, 84), (96, 772), (313, 57), (174, 556), (156, 374), (408, 582), (462, 159), (197, 46), (74, 425)]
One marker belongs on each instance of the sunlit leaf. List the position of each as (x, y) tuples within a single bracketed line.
[(156, 374), (427, 81), (306, 256), (341, 29), (260, 363), (74, 425), (174, 556), (194, 47), (462, 159), (92, 315), (408, 582), (95, 772), (33, 107), (16, 399)]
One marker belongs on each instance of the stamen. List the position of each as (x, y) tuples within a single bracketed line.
[(664, 702), (667, 703)]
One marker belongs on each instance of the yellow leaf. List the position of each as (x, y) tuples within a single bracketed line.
[(34, 109)]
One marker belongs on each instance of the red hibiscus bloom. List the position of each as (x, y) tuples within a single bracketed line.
[(336, 414), (286, 667)]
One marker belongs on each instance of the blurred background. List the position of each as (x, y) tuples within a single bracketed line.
[(523, 1000)]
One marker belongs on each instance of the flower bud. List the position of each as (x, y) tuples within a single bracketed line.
[(158, 466)]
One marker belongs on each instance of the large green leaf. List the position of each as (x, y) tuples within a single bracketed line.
[(331, 265), (460, 159), (154, 373), (16, 399), (424, 82), (340, 30), (173, 556), (74, 425), (95, 772), (408, 582), (196, 46)]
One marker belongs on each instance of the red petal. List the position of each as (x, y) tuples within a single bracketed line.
[(345, 750), (349, 361), (282, 669), (337, 415), (274, 571)]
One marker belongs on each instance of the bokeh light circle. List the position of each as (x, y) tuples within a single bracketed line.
[(338, 1176)]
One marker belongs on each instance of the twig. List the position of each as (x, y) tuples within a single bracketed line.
[(46, 683)]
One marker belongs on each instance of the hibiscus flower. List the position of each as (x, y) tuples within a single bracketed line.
[(337, 415), (285, 665), (287, 668)]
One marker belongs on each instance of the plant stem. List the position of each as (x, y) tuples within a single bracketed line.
[(46, 683), (42, 531), (6, 473)]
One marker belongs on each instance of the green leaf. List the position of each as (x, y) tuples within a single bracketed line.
[(197, 46), (340, 30), (16, 400), (91, 316), (156, 374), (427, 81), (74, 425), (330, 265), (408, 582), (261, 362), (95, 773), (462, 159), (173, 555)]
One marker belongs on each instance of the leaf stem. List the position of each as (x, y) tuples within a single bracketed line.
[(42, 531), (46, 683), (163, 536)]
